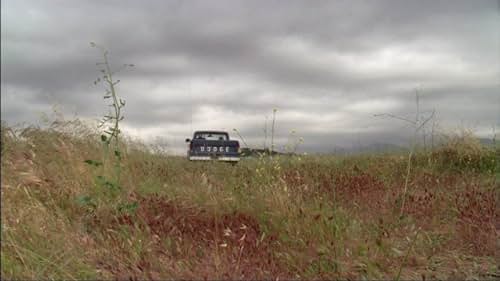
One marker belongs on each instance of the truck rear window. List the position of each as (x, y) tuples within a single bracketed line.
[(211, 136)]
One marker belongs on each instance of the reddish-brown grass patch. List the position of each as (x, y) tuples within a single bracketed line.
[(421, 204), (478, 219), (235, 240)]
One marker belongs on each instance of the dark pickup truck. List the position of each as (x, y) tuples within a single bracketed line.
[(213, 145)]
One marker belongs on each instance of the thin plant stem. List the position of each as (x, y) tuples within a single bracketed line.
[(410, 247), (272, 131)]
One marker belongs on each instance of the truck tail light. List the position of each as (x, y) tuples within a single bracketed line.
[(190, 146)]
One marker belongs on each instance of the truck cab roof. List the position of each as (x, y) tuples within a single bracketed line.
[(210, 132)]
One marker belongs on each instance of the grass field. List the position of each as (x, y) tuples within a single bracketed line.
[(287, 217)]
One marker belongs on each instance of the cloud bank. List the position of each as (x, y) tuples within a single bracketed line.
[(327, 68)]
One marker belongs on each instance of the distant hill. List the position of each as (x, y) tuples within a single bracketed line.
[(251, 152), (488, 142), (371, 148)]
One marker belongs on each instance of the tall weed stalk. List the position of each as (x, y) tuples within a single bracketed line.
[(110, 126)]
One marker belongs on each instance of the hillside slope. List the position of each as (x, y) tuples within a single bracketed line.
[(298, 217)]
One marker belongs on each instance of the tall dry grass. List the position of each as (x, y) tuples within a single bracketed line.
[(290, 217)]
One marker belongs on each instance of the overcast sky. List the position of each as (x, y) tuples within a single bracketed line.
[(327, 66)]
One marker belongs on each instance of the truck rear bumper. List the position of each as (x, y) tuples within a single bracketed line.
[(229, 158), (221, 158), (200, 158)]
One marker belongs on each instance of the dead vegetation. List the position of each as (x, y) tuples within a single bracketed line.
[(316, 217), (237, 247)]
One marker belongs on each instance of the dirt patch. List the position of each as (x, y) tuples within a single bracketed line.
[(218, 246)]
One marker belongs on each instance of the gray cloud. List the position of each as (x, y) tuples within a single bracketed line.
[(327, 67)]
